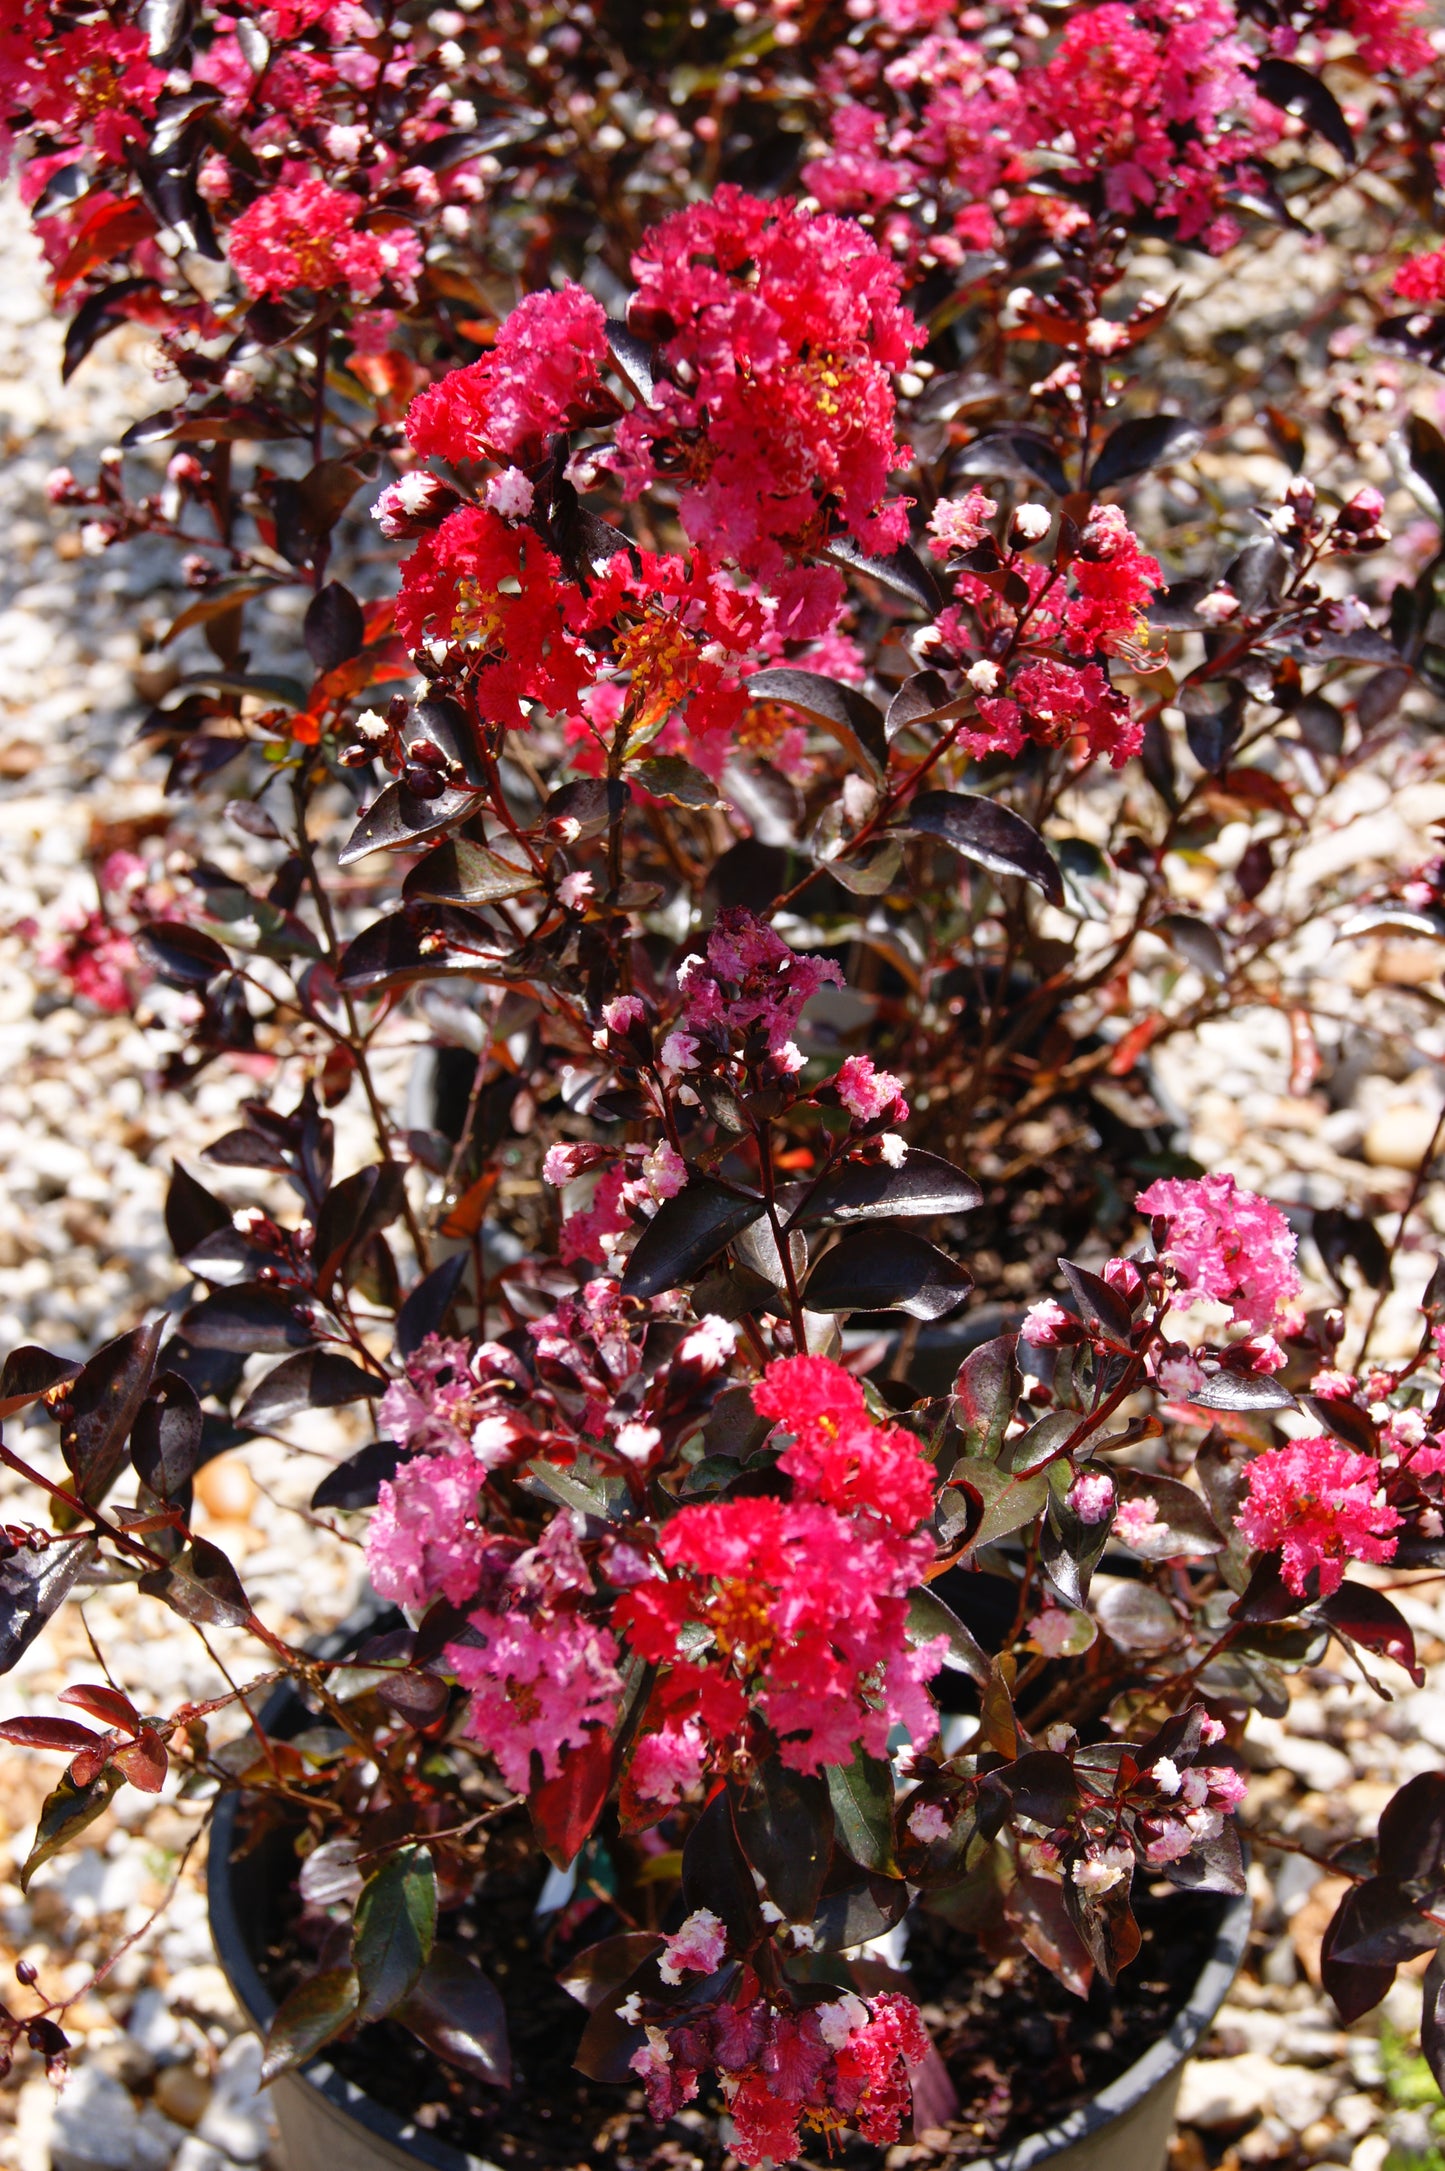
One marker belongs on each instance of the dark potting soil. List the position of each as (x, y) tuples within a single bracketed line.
[(1021, 2051)]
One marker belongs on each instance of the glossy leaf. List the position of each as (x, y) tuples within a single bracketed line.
[(784, 1824), (1412, 1831), (181, 955), (109, 1705), (929, 1618), (1142, 442), (871, 1191), (1241, 1391), (165, 1442), (458, 2013), (565, 1809), (1042, 1786), (1432, 2016), (985, 1395), (715, 1874), (105, 1399), (255, 1318), (64, 1736), (600, 1970), (862, 1795), (396, 1919), (848, 715), (193, 1213), (1295, 90), (200, 1585), (991, 835), (33, 1586), (397, 820), (685, 1233), (1197, 943), (1377, 1925), (314, 1379), (427, 1305), (308, 2018), (886, 1269), (29, 1373), (902, 571), (1369, 1618), (460, 872), (353, 1211), (65, 1814), (669, 776)]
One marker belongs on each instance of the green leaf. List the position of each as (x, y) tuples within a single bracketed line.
[(1008, 1502), (396, 1919), (668, 776), (863, 1810), (65, 1814), (308, 2018)]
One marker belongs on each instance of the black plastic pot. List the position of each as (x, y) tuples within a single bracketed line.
[(329, 2124)]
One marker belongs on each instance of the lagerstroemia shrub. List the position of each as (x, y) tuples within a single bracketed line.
[(759, 742)]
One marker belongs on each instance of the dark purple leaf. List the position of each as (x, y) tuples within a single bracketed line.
[(1412, 1829), (685, 1233), (428, 1304), (357, 1208), (1197, 942), (98, 314), (902, 571), (599, 1971), (33, 1586), (200, 1586), (165, 1442), (841, 710), (1212, 1865), (1346, 1420), (1377, 1925), (103, 1402), (314, 1379), (1368, 1617), (715, 1874), (1242, 1391), (456, 2011), (1182, 1529), (1295, 90), (1025, 454), (634, 357), (1042, 1785), (917, 700), (594, 803), (29, 1373), (356, 1482), (397, 820), (991, 835), (460, 872), (871, 1190), (1432, 2016), (256, 1319), (192, 1213), (784, 1824), (333, 629), (1356, 1986), (1099, 1304), (180, 955), (420, 944), (1142, 442), (495, 134), (884, 1270)]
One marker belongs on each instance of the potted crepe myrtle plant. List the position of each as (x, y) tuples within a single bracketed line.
[(758, 760)]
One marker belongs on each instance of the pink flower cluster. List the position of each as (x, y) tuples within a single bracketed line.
[(542, 1674), (1228, 1244), (1317, 1504), (779, 332), (845, 2062), (839, 1455), (750, 987), (305, 234), (545, 363), (796, 1610)]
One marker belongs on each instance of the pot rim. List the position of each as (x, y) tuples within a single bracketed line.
[(1147, 2073)]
